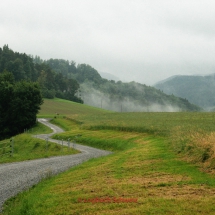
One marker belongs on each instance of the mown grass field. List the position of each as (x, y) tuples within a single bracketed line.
[(163, 163)]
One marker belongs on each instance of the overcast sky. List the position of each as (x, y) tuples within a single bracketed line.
[(141, 40)]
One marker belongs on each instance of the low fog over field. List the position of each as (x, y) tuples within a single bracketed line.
[(131, 102), (100, 100)]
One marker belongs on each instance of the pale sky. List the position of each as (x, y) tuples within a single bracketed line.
[(136, 40)]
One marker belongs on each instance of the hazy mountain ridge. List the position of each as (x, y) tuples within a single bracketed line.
[(199, 90)]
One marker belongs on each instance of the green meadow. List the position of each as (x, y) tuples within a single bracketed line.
[(162, 163)]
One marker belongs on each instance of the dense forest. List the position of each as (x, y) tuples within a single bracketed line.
[(52, 84)]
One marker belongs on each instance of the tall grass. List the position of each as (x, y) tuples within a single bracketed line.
[(198, 146)]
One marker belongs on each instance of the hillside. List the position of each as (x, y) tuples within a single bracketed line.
[(64, 79), (24, 67), (132, 97), (198, 90), (118, 96), (60, 107)]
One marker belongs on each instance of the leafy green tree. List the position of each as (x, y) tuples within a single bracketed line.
[(25, 105), (19, 104), (86, 72), (6, 92), (60, 82)]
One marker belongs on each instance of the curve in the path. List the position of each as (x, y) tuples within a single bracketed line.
[(19, 176)]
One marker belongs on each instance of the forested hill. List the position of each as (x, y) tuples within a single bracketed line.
[(117, 96), (197, 89), (52, 84), (83, 83)]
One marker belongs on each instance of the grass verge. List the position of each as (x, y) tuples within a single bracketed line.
[(27, 147)]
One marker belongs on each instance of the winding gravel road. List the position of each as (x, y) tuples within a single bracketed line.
[(18, 176)]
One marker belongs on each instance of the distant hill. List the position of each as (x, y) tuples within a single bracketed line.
[(199, 90), (167, 79)]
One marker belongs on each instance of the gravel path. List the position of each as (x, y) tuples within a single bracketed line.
[(16, 177)]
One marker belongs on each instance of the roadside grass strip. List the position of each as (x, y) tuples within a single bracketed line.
[(27, 147)]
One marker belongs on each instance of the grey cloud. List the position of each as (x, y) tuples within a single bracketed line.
[(140, 40)]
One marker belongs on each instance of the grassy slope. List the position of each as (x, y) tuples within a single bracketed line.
[(52, 107), (144, 168)]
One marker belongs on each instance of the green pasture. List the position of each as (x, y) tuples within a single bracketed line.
[(163, 161), (158, 123)]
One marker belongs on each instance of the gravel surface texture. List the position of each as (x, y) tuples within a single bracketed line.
[(19, 176)]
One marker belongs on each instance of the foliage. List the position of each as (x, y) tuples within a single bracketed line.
[(24, 67), (81, 72), (19, 104)]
